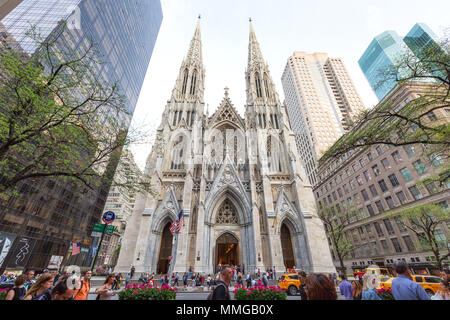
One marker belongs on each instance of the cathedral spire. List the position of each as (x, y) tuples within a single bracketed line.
[(255, 58), (190, 83)]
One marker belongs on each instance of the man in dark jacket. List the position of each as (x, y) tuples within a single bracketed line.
[(302, 278), (221, 290)]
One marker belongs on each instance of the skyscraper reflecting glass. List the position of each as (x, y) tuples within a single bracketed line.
[(420, 38)]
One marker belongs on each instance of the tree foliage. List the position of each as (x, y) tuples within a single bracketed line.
[(335, 224), (425, 220), (60, 117)]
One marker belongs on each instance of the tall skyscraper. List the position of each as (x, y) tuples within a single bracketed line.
[(384, 51), (420, 38), (48, 212), (321, 102)]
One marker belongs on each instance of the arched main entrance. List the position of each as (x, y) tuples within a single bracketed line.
[(227, 250), (286, 246), (165, 250)]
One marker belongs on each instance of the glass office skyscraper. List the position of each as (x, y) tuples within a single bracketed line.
[(48, 213), (380, 55), (386, 48)]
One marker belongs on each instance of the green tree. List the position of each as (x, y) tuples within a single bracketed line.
[(335, 224), (59, 117), (424, 220), (411, 123)]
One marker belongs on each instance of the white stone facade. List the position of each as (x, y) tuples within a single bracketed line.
[(239, 182)]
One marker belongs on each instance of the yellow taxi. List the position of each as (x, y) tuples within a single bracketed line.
[(290, 282), (428, 282)]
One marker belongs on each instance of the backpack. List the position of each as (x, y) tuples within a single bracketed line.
[(211, 295)]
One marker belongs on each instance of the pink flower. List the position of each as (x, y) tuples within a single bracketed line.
[(135, 292)]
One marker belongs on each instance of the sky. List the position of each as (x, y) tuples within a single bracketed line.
[(342, 29)]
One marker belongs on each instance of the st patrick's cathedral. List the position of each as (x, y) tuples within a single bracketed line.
[(238, 181)]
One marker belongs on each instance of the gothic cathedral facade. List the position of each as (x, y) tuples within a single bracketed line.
[(239, 183)]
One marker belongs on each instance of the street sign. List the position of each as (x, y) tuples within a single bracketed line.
[(96, 234), (99, 227), (108, 217), (110, 229)]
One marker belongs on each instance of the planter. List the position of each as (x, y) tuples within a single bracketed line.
[(385, 294), (3, 293), (259, 293), (147, 292)]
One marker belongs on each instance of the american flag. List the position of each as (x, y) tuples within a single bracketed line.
[(176, 225), (76, 248)]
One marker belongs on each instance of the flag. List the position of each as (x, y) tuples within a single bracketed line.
[(275, 221), (94, 250), (172, 227), (76, 248), (180, 220)]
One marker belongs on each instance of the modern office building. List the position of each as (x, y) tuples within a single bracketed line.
[(6, 6), (379, 59), (381, 55), (379, 181), (321, 102), (48, 213)]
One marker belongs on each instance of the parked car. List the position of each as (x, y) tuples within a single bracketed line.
[(290, 283), (428, 282)]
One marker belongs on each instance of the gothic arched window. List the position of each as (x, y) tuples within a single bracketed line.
[(258, 85), (227, 213), (185, 79), (193, 82), (266, 86)]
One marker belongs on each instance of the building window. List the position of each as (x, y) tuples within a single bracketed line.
[(393, 180), (373, 190), (379, 206), (431, 187), (441, 239), (339, 192), (415, 192), (367, 175), (388, 226), (329, 199), (362, 163), (400, 224), (378, 229), (352, 184), (431, 116), (345, 188), (390, 202), (357, 198), (379, 150), (334, 196), (401, 197), (383, 185), (420, 166), (365, 195), (376, 170), (406, 174), (386, 164), (436, 160), (371, 211), (397, 157), (396, 245), (410, 150), (359, 180), (370, 156), (385, 245)]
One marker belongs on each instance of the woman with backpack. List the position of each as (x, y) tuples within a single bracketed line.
[(18, 292), (41, 289)]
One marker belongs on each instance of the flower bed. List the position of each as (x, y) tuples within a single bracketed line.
[(3, 293), (385, 294), (259, 293), (147, 292)]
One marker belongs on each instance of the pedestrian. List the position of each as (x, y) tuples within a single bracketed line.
[(116, 282), (274, 273), (132, 272), (109, 270), (105, 292), (248, 279), (259, 273), (127, 279), (357, 290), (185, 277), (302, 278), (239, 278), (40, 290), (403, 288), (253, 282), (443, 293), (320, 287), (85, 286), (221, 292), (265, 279), (30, 279), (61, 291), (175, 283), (445, 274), (345, 288), (370, 282), (209, 281), (18, 291)]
